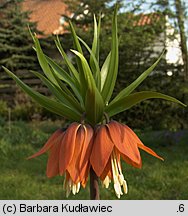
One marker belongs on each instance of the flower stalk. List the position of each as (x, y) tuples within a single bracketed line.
[(94, 186)]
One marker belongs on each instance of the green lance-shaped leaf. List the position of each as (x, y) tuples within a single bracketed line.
[(60, 72), (113, 67), (60, 94), (94, 104), (42, 59), (95, 44), (64, 76), (104, 70), (63, 85), (78, 47), (44, 101), (68, 92), (138, 81), (98, 41), (70, 66), (95, 69), (88, 77), (76, 42), (128, 101)]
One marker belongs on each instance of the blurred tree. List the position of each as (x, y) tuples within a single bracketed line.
[(82, 12), (180, 13), (181, 16), (15, 41)]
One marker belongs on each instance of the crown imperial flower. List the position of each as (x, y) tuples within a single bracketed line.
[(69, 153), (112, 142)]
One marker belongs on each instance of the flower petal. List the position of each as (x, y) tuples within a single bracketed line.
[(85, 178), (127, 146), (150, 151), (67, 147), (141, 145), (51, 141), (53, 159), (132, 133), (102, 149), (86, 150), (73, 167), (115, 132), (107, 171), (130, 162)]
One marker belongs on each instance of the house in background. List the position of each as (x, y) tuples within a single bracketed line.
[(47, 14), (174, 54), (168, 39)]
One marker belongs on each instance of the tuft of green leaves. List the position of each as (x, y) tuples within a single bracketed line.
[(86, 89)]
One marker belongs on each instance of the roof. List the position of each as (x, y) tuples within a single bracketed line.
[(46, 14), (147, 19)]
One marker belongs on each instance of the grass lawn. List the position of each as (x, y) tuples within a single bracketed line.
[(25, 179)]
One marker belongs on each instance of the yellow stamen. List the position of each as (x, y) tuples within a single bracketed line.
[(77, 187), (74, 189), (118, 177), (106, 182), (125, 188), (69, 186)]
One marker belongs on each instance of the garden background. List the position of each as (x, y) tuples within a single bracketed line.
[(145, 29)]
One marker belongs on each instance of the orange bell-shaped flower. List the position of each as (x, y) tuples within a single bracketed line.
[(69, 152), (74, 156), (112, 141)]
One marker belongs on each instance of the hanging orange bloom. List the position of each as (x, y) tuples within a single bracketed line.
[(112, 141), (69, 153)]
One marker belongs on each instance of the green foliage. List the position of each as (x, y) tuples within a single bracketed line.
[(87, 96), (4, 108), (137, 50), (24, 110)]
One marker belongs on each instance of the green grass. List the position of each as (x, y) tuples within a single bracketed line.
[(25, 179)]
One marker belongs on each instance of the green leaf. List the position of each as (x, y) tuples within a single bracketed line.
[(62, 85), (68, 92), (60, 72), (70, 66), (104, 70), (113, 65), (95, 44), (94, 104), (62, 96), (44, 101), (128, 101), (64, 76), (78, 47), (95, 69), (98, 41), (42, 60), (88, 80), (138, 81), (76, 42)]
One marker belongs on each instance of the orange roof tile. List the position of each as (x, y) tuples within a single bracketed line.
[(47, 14), (147, 19)]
